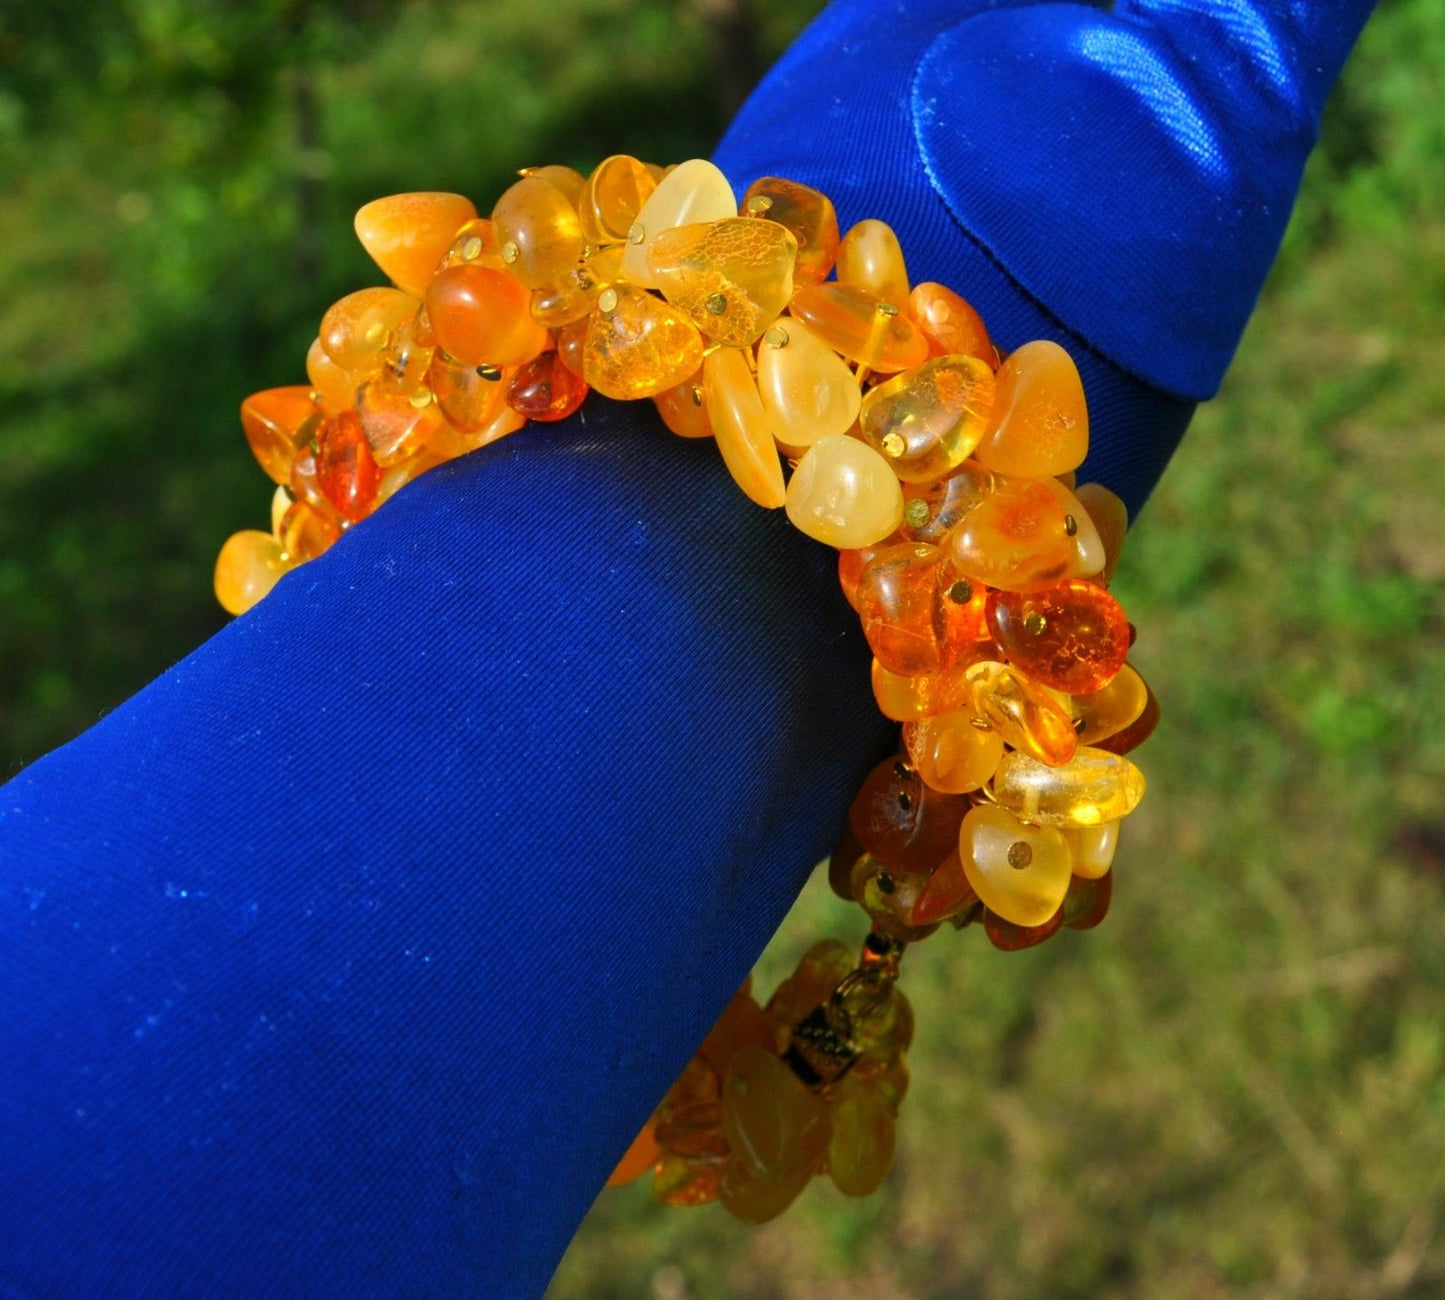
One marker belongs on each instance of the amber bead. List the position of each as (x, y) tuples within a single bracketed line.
[(1071, 635), (574, 293), (1007, 936), (544, 389), (567, 179), (469, 396), (917, 616), (247, 568), (334, 387), (1040, 423), (305, 532), (1018, 536), (482, 317), (871, 258), (823, 967), (947, 895), (693, 192), (1109, 710), (844, 494), (473, 245), (742, 1022), (949, 323), (638, 1159), (638, 345), (755, 1200), (730, 278), (303, 483), (1089, 555), (1092, 787), (1110, 517), (951, 752), (407, 355), (1087, 902), (881, 1018), (1137, 732), (899, 820), (537, 231), (851, 563), (932, 510), (408, 234), (889, 895), (396, 427), (774, 1125), (741, 427), (684, 408), (863, 327), (807, 389), (840, 864), (679, 1181), (808, 214), (1031, 717), (278, 421), (693, 1130), (612, 196), (926, 421), (346, 471), (905, 699), (1093, 848), (862, 1138), (357, 328), (572, 345), (1021, 872)]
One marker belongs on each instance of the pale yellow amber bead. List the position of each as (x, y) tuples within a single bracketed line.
[(808, 390), (693, 191), (1094, 848), (247, 568), (1020, 872), (843, 493), (731, 278), (740, 426), (1092, 787), (871, 257), (860, 1147)]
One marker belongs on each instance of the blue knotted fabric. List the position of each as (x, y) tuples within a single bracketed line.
[(346, 958)]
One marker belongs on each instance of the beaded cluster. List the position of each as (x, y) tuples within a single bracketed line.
[(942, 471)]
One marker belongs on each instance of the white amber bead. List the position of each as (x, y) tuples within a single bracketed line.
[(844, 493)]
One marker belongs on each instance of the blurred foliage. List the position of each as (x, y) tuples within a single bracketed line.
[(1236, 1087)]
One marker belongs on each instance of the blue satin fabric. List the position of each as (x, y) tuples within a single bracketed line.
[(347, 957)]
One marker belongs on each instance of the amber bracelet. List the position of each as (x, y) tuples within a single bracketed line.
[(942, 471)]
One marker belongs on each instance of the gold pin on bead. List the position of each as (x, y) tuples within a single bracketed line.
[(472, 249), (1071, 525), (916, 513), (893, 445), (491, 373), (960, 593), (1035, 623), (607, 300), (759, 203), (716, 303), (636, 233), (421, 398), (777, 337), (1019, 855), (697, 396), (510, 252), (886, 309)]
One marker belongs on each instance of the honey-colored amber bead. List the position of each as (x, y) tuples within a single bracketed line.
[(905, 699), (1040, 422), (1110, 517), (537, 231), (247, 568), (346, 471), (396, 427), (804, 211), (731, 278), (1087, 902), (572, 345), (774, 1125), (544, 389), (469, 396), (1093, 848), (680, 1181), (1137, 732), (756, 1200), (277, 421), (612, 196), (916, 617), (949, 323), (1020, 872), (684, 408), (741, 427), (843, 493), (947, 895), (1109, 710), (357, 328), (1018, 536), (1029, 716), (638, 1159), (926, 421), (333, 386), (474, 244), (861, 1143), (1007, 936), (694, 191), (863, 327), (902, 822), (482, 317), (408, 234), (407, 355), (951, 753), (932, 510), (567, 179), (637, 345), (871, 258), (851, 564), (574, 293), (1092, 787), (808, 390), (1071, 635), (305, 532)]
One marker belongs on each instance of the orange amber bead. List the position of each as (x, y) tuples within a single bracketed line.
[(247, 568), (345, 468), (544, 389), (1007, 936), (574, 293), (949, 323), (469, 396), (1093, 848), (1040, 422), (684, 408), (871, 258), (642, 1155), (947, 894), (408, 234), (905, 699), (775, 1126), (1111, 709), (931, 511), (741, 427), (306, 532), (851, 563), (843, 494), (396, 426), (1087, 902), (358, 327), (860, 325), (612, 197), (482, 317), (742, 1022), (277, 422), (730, 278), (572, 345), (926, 421), (1110, 517), (917, 616), (1072, 635), (1032, 718), (335, 387), (807, 213), (1093, 787), (637, 345), (682, 1181), (823, 967), (405, 360), (537, 231), (951, 752), (807, 388), (1019, 535), (567, 179)]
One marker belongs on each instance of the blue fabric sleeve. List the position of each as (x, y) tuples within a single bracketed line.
[(346, 958)]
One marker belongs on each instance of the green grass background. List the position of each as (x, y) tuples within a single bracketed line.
[(1235, 1087)]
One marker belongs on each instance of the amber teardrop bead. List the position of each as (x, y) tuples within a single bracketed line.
[(807, 213), (807, 389), (357, 328), (1019, 871), (567, 179), (741, 427), (408, 234), (572, 345), (1087, 902), (612, 196), (694, 191), (346, 471), (1028, 715), (1008, 936), (946, 896), (482, 317), (537, 231), (1040, 421), (469, 396), (305, 532), (637, 345), (474, 244), (852, 562), (730, 278), (574, 293), (247, 568), (1071, 635), (951, 752), (916, 616), (863, 327), (844, 494), (871, 258), (544, 389), (926, 421), (1094, 786), (949, 323), (277, 421)]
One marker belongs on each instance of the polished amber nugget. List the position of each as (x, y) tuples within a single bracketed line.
[(358, 327), (861, 1143), (804, 211), (345, 468), (730, 278), (277, 421), (844, 494), (545, 390), (1071, 635), (1029, 716), (612, 197), (951, 753), (862, 326), (871, 258), (926, 421), (1021, 872), (916, 616), (949, 323), (247, 568), (1093, 787), (482, 317), (407, 235), (537, 231), (694, 191), (638, 345), (741, 428), (1040, 421), (807, 389)]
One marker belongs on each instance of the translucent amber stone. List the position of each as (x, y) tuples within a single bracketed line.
[(871, 258), (1111, 521), (334, 386), (684, 408), (1109, 710), (947, 895), (574, 293), (407, 355), (474, 244), (408, 234), (395, 426), (1093, 848), (1040, 422), (277, 421), (949, 323), (1020, 872), (637, 345), (572, 345), (544, 389), (1094, 786), (611, 198), (1137, 732), (679, 1181), (567, 179), (805, 212), (916, 617), (774, 1125), (808, 390), (303, 484), (1089, 555), (1087, 902), (731, 278), (247, 568), (932, 510), (694, 191), (843, 493), (861, 326), (638, 1159), (356, 328), (505, 422), (1029, 716), (1018, 536), (469, 396), (693, 1130), (345, 468), (741, 427), (882, 1018), (861, 1144), (905, 699), (755, 1200), (951, 753), (900, 821), (1071, 635), (1010, 937), (851, 564), (482, 317), (305, 532), (537, 231), (926, 421)]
